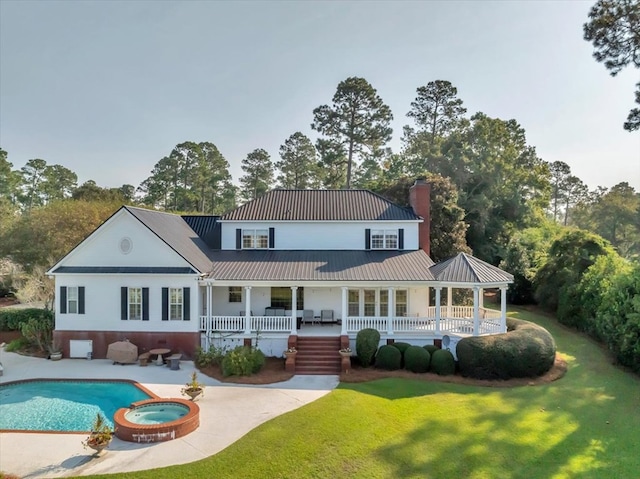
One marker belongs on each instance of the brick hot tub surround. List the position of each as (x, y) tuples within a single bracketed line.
[(144, 433)]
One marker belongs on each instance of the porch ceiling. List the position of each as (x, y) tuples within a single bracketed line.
[(307, 265)]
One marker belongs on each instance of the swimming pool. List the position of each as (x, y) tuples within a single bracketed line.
[(71, 406)]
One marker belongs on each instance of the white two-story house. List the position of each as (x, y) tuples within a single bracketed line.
[(288, 264)]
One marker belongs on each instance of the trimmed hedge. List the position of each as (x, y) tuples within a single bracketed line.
[(417, 359), (432, 348), (367, 341), (402, 347), (526, 350), (388, 358), (442, 363), (12, 318)]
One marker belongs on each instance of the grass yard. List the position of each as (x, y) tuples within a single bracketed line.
[(586, 424)]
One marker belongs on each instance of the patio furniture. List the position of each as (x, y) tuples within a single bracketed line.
[(173, 361), (159, 352), (307, 316), (326, 316), (122, 352), (144, 359)]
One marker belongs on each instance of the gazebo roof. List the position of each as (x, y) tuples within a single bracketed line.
[(464, 268)]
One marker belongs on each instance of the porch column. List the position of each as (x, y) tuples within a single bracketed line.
[(428, 298), (438, 291), (392, 310), (476, 311), (294, 310), (481, 297), (247, 310), (449, 300), (209, 301), (345, 310), (503, 309)]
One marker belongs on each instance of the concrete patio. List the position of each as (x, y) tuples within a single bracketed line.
[(227, 412)]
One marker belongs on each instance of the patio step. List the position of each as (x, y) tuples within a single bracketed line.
[(318, 355)]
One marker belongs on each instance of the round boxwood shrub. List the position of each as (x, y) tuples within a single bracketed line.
[(442, 363), (242, 361), (525, 350), (402, 347), (416, 359), (367, 341), (389, 358), (432, 348)]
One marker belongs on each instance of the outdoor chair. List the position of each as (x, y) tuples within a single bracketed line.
[(307, 316), (326, 316)]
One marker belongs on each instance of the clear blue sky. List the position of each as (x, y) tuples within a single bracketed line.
[(109, 88)]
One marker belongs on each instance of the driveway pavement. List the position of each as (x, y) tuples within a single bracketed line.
[(227, 412)]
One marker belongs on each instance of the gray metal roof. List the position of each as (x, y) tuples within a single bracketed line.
[(320, 205), (201, 224), (465, 268), (305, 265), (177, 234), (124, 270)]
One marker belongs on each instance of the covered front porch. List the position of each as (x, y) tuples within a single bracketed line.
[(345, 310)]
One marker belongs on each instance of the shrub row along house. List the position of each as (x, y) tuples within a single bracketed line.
[(290, 264)]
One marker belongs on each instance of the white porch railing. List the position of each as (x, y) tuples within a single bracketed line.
[(228, 324)]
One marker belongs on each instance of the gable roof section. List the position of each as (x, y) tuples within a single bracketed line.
[(177, 234), (464, 268), (307, 265), (320, 205)]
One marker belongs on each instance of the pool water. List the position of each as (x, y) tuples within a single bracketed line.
[(63, 405), (156, 413)]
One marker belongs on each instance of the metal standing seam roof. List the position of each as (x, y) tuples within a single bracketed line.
[(174, 231), (464, 268), (329, 265), (320, 205), (201, 224)]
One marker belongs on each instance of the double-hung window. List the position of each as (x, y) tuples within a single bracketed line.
[(175, 304), (384, 239), (71, 299), (255, 239), (134, 303), (235, 294)]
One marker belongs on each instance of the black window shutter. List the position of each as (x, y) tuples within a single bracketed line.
[(186, 298), (124, 303), (272, 238), (165, 304), (80, 299), (401, 238), (63, 300), (145, 304), (238, 238), (367, 238)]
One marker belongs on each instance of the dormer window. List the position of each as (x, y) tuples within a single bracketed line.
[(255, 239), (384, 239)]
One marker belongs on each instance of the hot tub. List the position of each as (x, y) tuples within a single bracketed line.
[(156, 420)]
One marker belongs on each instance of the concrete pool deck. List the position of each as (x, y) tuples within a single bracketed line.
[(227, 412)]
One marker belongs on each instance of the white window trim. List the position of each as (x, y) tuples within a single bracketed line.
[(130, 303), (386, 238), (171, 304), (377, 301), (75, 301), (255, 234)]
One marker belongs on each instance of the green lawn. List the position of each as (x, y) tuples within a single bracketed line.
[(587, 424)]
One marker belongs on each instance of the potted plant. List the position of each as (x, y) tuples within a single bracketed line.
[(345, 352), (100, 435), (193, 388), (55, 351), (290, 352)]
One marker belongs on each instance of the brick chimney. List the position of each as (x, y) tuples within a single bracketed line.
[(420, 201)]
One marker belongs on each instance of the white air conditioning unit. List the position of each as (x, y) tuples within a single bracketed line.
[(80, 348)]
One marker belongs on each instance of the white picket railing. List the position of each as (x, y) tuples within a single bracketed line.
[(229, 324), (453, 319)]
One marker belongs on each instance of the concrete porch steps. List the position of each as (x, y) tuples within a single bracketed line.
[(318, 355)]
